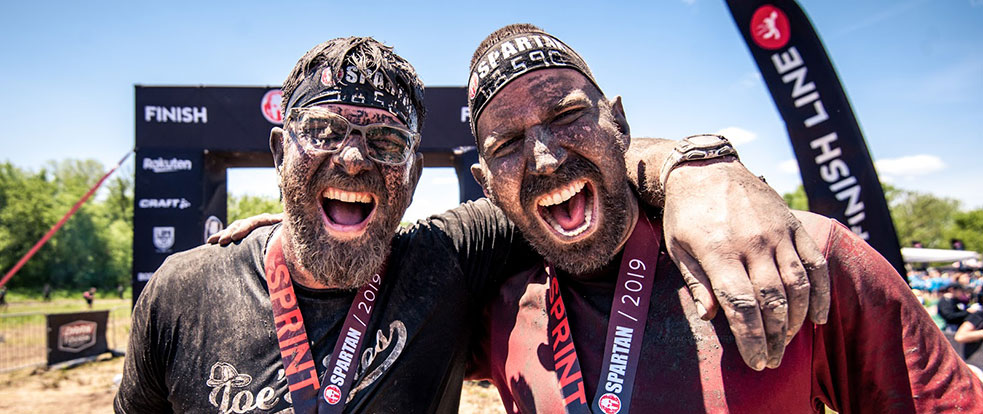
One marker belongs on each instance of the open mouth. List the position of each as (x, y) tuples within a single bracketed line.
[(347, 213), (569, 211)]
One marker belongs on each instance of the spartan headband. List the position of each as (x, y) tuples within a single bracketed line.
[(513, 57), (353, 86)]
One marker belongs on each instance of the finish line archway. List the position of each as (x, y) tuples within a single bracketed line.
[(186, 138)]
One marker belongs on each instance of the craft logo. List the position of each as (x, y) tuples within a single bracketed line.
[(332, 394), (770, 28), (212, 225), (144, 276), (178, 203), (609, 403), (161, 165), (179, 114), (270, 106), (76, 336), (163, 239)]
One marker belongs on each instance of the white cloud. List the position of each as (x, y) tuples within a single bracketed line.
[(789, 166), (750, 80), (910, 166), (737, 136)]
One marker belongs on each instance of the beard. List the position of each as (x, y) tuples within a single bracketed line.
[(343, 264), (596, 250)]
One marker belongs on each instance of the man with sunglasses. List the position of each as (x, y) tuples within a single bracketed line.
[(331, 311)]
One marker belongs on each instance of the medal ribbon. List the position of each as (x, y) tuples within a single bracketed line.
[(626, 327), (306, 393)]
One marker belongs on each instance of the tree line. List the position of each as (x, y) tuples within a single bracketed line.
[(94, 248), (934, 221)]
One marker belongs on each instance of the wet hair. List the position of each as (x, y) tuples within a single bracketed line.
[(369, 56), (502, 34)]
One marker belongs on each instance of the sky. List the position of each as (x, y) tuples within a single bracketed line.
[(913, 71)]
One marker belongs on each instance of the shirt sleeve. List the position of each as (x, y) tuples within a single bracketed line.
[(950, 311), (488, 246), (880, 351), (143, 389), (976, 319)]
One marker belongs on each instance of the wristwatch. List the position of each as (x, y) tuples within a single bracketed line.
[(695, 148)]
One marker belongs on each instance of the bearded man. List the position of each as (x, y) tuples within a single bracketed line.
[(335, 309), (605, 324)]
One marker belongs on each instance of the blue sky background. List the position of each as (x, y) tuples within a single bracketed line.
[(912, 69)]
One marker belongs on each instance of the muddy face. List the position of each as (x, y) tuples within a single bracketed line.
[(552, 157), (342, 208)]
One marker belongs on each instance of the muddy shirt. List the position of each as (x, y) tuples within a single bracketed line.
[(203, 336), (880, 352)]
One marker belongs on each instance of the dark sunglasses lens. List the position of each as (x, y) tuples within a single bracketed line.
[(323, 132), (387, 144)]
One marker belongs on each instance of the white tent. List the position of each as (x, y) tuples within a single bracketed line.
[(919, 255)]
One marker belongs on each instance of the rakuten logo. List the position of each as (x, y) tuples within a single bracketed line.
[(178, 203), (161, 165)]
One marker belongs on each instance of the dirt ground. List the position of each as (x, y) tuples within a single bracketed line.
[(89, 388)]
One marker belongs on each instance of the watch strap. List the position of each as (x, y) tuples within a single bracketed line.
[(695, 148)]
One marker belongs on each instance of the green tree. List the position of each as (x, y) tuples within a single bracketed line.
[(117, 210), (797, 200), (924, 217), (25, 202), (240, 207), (919, 216), (969, 228), (93, 248)]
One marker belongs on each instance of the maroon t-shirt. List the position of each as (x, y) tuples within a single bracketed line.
[(880, 352)]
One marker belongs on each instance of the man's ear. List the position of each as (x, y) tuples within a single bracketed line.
[(618, 112), (478, 172), (414, 171), (417, 170), (276, 147)]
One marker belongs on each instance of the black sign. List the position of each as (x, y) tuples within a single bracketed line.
[(168, 208), (76, 335), (448, 123), (837, 171), (238, 119)]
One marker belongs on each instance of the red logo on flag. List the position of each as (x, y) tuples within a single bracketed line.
[(332, 394), (770, 28), (270, 105), (609, 403)]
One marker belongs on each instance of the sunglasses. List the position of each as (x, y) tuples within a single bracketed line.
[(327, 131)]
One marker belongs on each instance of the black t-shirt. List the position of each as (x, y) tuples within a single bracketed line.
[(203, 337), (975, 318)]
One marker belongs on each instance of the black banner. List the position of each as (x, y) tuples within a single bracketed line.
[(167, 208), (76, 335), (837, 171)]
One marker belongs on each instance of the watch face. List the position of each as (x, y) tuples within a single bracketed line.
[(704, 141)]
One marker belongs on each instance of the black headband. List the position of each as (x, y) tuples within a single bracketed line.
[(350, 85), (513, 57)]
